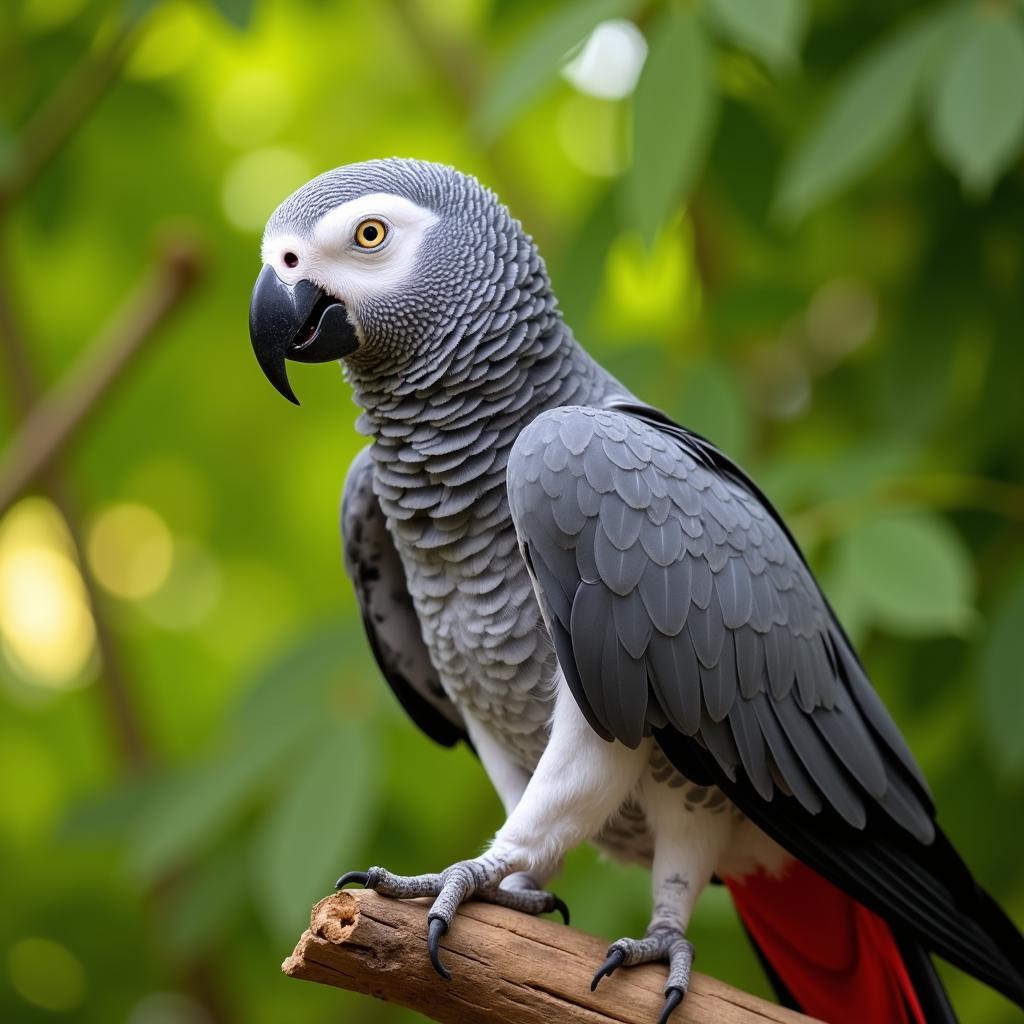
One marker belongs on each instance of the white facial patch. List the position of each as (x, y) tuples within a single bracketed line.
[(333, 259)]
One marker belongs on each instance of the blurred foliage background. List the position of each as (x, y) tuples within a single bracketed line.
[(798, 232)]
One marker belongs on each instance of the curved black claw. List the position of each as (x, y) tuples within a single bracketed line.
[(438, 928), (673, 997), (358, 877), (557, 903), (609, 967)]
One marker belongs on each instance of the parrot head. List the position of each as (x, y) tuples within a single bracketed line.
[(384, 264)]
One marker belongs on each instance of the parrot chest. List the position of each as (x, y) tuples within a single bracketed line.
[(482, 627)]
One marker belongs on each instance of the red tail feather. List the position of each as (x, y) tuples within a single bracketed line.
[(838, 959)]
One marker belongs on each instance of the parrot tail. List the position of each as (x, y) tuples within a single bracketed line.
[(829, 956)]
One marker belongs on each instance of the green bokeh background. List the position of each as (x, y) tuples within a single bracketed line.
[(855, 343)]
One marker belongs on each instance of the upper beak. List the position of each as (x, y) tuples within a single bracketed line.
[(300, 322)]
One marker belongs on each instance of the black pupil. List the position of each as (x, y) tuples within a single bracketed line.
[(291, 260), (370, 233)]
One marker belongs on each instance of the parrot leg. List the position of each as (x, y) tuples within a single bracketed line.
[(687, 846), (580, 781), (510, 780)]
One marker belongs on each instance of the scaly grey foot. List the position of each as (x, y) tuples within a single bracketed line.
[(659, 944), (468, 879)]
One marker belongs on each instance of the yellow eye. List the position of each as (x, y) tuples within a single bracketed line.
[(370, 234)]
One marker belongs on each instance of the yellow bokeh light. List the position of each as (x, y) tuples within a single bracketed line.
[(46, 628), (655, 290), (252, 107), (130, 550), (256, 182), (592, 135), (35, 522), (46, 974)]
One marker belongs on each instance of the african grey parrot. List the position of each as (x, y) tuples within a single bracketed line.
[(610, 612)]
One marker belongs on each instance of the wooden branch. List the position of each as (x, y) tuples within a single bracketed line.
[(63, 114), (506, 967), (58, 417)]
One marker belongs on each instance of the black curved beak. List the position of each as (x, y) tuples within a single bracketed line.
[(300, 322)]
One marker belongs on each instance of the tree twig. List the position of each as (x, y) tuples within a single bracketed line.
[(62, 114), (51, 424), (126, 726)]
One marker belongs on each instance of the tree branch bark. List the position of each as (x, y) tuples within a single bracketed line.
[(506, 967)]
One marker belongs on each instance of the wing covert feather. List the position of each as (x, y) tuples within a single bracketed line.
[(684, 600)]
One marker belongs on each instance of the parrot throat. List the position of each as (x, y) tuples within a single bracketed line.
[(475, 370), (441, 450)]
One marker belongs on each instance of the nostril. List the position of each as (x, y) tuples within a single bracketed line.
[(291, 260)]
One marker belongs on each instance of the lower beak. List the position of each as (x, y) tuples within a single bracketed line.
[(296, 321)]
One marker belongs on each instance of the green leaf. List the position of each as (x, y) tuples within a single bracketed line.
[(205, 901), (136, 10), (580, 269), (674, 112), (713, 403), (847, 601), (282, 707), (911, 571), (771, 29), (317, 830), (536, 60), (191, 809), (238, 12), (297, 682), (866, 117), (1002, 681), (978, 114), (106, 815)]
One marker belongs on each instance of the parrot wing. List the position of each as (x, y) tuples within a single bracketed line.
[(717, 639), (389, 618)]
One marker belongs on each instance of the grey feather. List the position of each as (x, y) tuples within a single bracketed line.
[(620, 570), (717, 737), (675, 679), (665, 593), (734, 593), (590, 606), (719, 681), (387, 610), (821, 766), (750, 661), (632, 624), (846, 735), (750, 743), (791, 769)]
